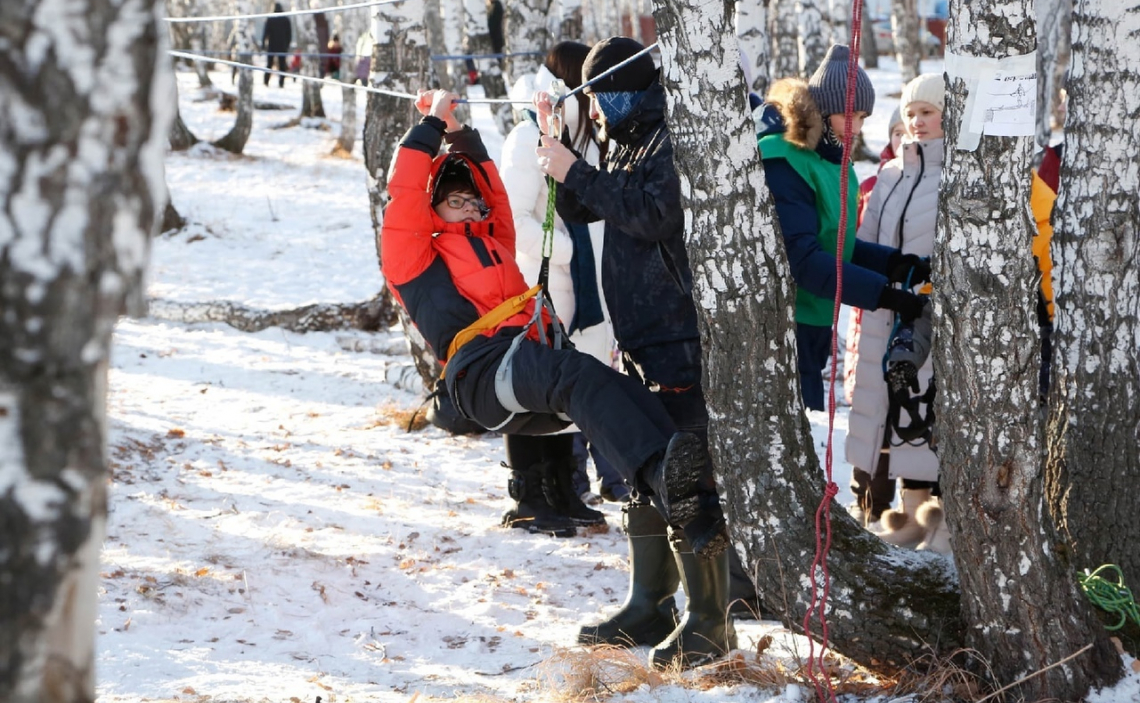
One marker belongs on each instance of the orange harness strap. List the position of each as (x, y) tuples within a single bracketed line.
[(503, 311)]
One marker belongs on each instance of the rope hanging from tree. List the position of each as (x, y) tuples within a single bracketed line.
[(823, 512), (1113, 597)]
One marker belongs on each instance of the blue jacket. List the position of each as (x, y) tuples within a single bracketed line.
[(813, 269)]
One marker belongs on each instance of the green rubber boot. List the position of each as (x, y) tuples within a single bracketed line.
[(649, 613), (706, 631)]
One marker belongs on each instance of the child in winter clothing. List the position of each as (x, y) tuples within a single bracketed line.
[(648, 287), (901, 212), (801, 131), (447, 247)]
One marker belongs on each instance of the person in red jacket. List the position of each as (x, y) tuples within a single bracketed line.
[(447, 252)]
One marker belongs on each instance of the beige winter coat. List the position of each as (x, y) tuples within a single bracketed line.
[(900, 213)]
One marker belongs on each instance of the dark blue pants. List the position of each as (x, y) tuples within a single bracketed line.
[(813, 347), (627, 422)]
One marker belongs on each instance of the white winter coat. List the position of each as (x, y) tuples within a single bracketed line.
[(526, 187), (901, 213)]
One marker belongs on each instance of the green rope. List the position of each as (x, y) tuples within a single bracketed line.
[(548, 223), (1113, 597)]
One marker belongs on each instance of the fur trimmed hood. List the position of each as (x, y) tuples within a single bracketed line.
[(803, 122)]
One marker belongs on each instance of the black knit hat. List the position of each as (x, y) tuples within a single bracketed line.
[(607, 53), (454, 177), (828, 85)]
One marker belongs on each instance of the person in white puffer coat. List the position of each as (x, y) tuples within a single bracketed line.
[(573, 282), (901, 212)]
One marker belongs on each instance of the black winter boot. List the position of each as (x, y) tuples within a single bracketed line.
[(685, 491), (649, 613), (531, 512), (558, 482), (706, 631)]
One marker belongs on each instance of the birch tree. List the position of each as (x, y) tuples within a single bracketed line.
[(885, 603), (566, 20), (904, 28), (400, 60), (1021, 604), (811, 35), (1094, 452), (234, 140), (527, 34), (784, 30), (752, 36), (307, 41), (477, 40), (868, 47), (86, 101)]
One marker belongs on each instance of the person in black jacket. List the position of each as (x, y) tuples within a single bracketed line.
[(648, 287), (275, 40)]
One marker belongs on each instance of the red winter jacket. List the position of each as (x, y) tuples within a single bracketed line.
[(448, 275)]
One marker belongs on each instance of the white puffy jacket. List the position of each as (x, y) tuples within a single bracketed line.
[(526, 187), (901, 213)]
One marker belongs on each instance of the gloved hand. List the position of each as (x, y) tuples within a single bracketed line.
[(909, 269), (906, 304), (902, 380)]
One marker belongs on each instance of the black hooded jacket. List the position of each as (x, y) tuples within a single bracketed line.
[(278, 33), (645, 268)]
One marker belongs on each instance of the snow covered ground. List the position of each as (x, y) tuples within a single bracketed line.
[(275, 534)]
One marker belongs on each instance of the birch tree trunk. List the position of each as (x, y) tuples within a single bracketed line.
[(752, 36), (839, 21), (868, 48), (81, 189), (453, 18), (307, 40), (234, 140), (566, 21), (811, 35), (1094, 450), (785, 61), (477, 40), (526, 30), (1054, 46), (400, 59), (347, 139), (885, 603), (908, 49), (1021, 604)]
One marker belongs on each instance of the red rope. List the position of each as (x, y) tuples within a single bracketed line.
[(823, 512)]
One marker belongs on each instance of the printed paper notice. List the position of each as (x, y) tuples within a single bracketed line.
[(1006, 105)]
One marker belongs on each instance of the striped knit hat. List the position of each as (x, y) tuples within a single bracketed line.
[(828, 85)]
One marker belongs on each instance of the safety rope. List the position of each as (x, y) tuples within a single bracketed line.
[(288, 13), (1113, 597), (823, 511), (332, 81)]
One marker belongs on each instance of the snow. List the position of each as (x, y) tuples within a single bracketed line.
[(274, 533)]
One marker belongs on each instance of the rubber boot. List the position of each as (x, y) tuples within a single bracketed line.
[(874, 493), (685, 491), (706, 631), (649, 613), (558, 482), (743, 600), (900, 526), (531, 511)]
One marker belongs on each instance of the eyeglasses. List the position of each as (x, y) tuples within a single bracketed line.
[(458, 202)]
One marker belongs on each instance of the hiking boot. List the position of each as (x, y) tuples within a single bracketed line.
[(685, 492), (531, 512), (649, 613)]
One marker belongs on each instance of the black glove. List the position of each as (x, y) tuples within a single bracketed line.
[(907, 305), (902, 381), (909, 269)]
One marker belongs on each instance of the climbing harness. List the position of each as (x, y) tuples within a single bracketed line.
[(907, 351), (823, 511)]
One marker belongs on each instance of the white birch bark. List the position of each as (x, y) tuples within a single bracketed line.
[(525, 30), (86, 101), (904, 27), (751, 26), (811, 35), (1054, 47), (785, 56), (1021, 604), (1095, 401)]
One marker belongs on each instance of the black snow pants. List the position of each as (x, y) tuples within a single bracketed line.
[(624, 419)]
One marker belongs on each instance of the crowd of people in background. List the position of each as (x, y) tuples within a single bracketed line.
[(573, 331)]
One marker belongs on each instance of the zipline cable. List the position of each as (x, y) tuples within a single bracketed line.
[(288, 13), (334, 82)]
